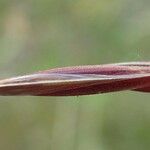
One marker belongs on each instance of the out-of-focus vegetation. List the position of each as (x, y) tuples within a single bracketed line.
[(41, 34)]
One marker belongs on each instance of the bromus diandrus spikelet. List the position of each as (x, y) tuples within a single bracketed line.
[(81, 80)]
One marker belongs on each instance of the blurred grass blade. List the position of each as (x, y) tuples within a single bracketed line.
[(81, 80)]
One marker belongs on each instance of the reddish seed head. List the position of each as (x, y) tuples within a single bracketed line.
[(81, 80)]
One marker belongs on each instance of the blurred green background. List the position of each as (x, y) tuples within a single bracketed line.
[(41, 34)]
